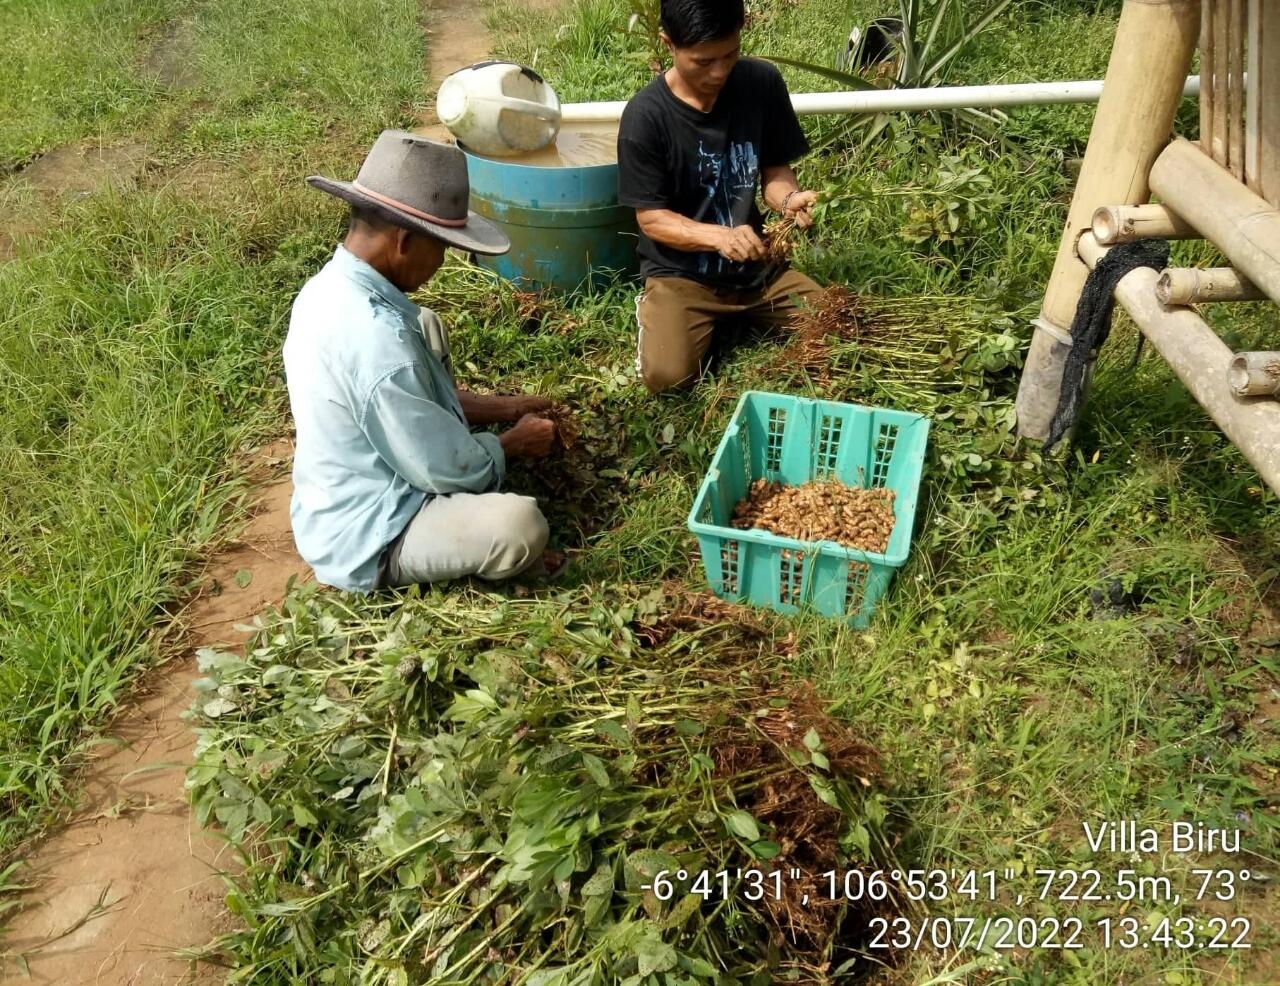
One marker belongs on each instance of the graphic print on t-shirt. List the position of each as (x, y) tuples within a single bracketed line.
[(726, 178), (706, 166)]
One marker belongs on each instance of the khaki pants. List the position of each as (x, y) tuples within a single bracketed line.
[(489, 535), (676, 317)]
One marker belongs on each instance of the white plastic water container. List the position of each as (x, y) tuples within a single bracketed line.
[(499, 109)]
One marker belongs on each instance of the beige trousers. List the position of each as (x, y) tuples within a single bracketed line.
[(676, 318), (489, 535)]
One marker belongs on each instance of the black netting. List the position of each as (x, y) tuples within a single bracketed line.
[(1092, 322)]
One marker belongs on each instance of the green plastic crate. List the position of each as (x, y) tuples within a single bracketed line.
[(795, 440)]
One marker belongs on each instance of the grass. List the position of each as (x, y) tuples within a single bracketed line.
[(1011, 706), (140, 325)]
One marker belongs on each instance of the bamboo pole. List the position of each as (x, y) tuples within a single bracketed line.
[(1154, 43), (1235, 90), (1251, 92), (1194, 285), (1208, 82), (1262, 138), (1239, 223), (1255, 374), (1221, 82), (1200, 359), (1113, 224)]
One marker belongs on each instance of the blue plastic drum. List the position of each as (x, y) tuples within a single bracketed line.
[(566, 228)]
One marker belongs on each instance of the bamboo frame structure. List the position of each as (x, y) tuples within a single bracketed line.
[(1241, 224), (1262, 115), (1195, 285), (1201, 360), (1225, 189), (1255, 374), (1155, 40), (1113, 224)]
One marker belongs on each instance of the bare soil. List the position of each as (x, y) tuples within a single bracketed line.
[(84, 167), (133, 847), (170, 59)]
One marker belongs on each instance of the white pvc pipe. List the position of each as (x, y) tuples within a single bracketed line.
[(903, 100)]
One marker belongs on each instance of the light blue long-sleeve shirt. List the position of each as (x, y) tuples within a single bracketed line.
[(379, 425)]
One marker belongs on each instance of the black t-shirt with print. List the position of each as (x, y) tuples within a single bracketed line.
[(706, 166)]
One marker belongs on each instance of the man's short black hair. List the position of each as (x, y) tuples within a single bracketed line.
[(692, 22), (371, 219)]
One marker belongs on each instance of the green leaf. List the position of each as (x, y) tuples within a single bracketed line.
[(698, 967), (233, 819), (611, 730), (820, 760), (812, 740), (278, 674), (823, 789), (846, 79), (688, 727), (742, 824), (219, 707), (553, 976), (644, 864), (303, 817), (861, 839), (685, 908), (481, 697), (243, 577), (596, 907), (600, 883), (597, 769), (654, 955), (765, 849)]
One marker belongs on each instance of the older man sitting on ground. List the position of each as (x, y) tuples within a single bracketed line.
[(391, 486)]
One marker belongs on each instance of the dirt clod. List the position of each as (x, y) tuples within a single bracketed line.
[(567, 428)]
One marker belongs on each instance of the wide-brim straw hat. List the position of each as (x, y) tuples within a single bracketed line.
[(421, 185)]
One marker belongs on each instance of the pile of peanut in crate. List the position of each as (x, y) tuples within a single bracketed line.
[(822, 510)]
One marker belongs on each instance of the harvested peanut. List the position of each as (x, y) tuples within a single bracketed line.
[(823, 510)]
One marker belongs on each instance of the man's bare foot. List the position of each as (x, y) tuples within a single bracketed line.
[(552, 563), (549, 566)]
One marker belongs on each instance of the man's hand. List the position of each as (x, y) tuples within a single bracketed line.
[(740, 243), (488, 409), (798, 205), (530, 437), (520, 406)]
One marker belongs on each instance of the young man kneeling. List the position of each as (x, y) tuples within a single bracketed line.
[(693, 147)]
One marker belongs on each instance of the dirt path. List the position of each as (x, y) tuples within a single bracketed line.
[(132, 877), (456, 38), (133, 861)]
